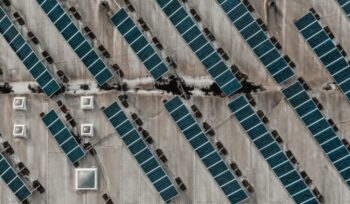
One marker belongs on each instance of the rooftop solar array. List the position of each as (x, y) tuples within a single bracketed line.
[(257, 39), (27, 55), (200, 45), (76, 40), (13, 180), (141, 152), (205, 150), (345, 4), (63, 136), (139, 43), (326, 50), (320, 128), (271, 151)]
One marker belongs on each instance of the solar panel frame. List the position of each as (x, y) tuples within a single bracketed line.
[(135, 28), (266, 139), (55, 87), (342, 76), (325, 133), (29, 193), (62, 23), (229, 6), (202, 146), (188, 30), (136, 153), (56, 133)]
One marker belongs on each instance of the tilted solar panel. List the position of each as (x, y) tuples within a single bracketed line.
[(200, 45), (271, 151), (318, 39), (63, 136), (27, 55), (345, 5), (205, 150), (141, 152), (13, 180), (76, 40), (257, 39), (139, 44), (320, 128)]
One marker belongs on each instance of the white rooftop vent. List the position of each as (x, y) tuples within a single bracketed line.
[(87, 130), (86, 179), (19, 103), (19, 130), (87, 102)]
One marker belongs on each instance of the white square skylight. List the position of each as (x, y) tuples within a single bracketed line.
[(86, 179), (87, 102)]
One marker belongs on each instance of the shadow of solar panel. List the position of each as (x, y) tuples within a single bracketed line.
[(320, 128), (205, 150), (27, 55), (200, 46), (139, 44), (141, 152), (272, 153), (63, 136), (13, 180), (345, 5), (323, 46), (76, 40), (257, 39)]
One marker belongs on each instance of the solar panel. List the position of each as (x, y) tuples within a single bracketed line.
[(63, 136), (328, 53), (27, 55), (320, 128), (13, 180), (76, 40), (200, 45), (271, 151), (139, 44), (257, 39), (141, 152), (345, 4), (205, 150)]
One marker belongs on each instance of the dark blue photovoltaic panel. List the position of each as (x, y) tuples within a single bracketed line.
[(320, 128), (13, 180), (141, 152), (27, 55), (139, 43), (205, 150), (200, 45), (257, 39), (273, 154), (325, 49), (63, 136), (345, 4), (76, 40)]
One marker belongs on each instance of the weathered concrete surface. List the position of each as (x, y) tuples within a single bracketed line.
[(119, 174)]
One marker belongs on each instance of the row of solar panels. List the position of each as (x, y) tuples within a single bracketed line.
[(345, 4), (257, 39), (205, 150), (76, 40), (312, 117), (27, 55), (320, 128), (10, 177), (139, 44), (328, 53), (200, 45), (141, 152), (64, 138), (271, 151)]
